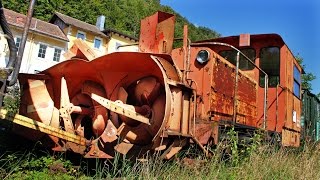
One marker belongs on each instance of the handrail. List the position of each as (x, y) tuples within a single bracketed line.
[(235, 106), (126, 45)]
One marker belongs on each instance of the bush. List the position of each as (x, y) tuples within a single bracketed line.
[(11, 100)]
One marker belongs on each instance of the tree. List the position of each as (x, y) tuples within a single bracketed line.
[(307, 77)]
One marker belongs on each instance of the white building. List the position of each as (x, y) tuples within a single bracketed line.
[(44, 47)]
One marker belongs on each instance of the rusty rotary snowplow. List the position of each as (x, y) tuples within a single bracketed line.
[(125, 102), (116, 100)]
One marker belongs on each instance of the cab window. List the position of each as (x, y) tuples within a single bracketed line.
[(244, 64), (270, 63), (296, 81)]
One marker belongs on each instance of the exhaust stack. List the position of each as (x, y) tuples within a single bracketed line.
[(157, 33)]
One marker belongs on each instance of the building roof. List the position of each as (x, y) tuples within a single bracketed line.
[(77, 23), (110, 31), (39, 26), (89, 27)]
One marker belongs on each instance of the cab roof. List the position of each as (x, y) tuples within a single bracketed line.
[(234, 40)]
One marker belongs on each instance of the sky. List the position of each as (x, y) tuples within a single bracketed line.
[(296, 21)]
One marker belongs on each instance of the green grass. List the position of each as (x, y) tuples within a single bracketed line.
[(255, 161)]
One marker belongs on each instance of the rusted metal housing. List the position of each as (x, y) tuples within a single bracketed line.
[(118, 102)]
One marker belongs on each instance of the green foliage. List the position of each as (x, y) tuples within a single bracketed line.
[(11, 100), (121, 15), (20, 6), (306, 80), (233, 144), (242, 149), (26, 165), (260, 162), (256, 142)]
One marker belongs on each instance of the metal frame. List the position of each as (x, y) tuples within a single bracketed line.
[(39, 126)]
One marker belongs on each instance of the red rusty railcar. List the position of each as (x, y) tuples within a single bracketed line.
[(159, 98), (215, 80)]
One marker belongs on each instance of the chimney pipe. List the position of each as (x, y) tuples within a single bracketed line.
[(100, 22)]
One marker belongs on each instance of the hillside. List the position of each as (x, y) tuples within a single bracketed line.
[(121, 15)]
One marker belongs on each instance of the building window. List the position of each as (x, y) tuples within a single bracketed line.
[(296, 81), (97, 43), (18, 42), (56, 55), (244, 64), (270, 63), (42, 51), (81, 35)]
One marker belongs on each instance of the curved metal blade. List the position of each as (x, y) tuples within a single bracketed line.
[(120, 108)]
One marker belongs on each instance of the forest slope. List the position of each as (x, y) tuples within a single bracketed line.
[(121, 15)]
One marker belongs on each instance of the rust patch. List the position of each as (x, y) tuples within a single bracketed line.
[(222, 94), (203, 132)]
